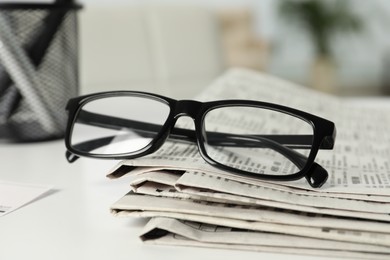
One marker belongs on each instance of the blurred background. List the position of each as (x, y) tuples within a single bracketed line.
[(178, 47)]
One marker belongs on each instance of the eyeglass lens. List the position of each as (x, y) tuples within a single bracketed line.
[(118, 125), (257, 140)]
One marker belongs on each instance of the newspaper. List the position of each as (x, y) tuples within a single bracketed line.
[(170, 231), (162, 200), (358, 164), (206, 187), (348, 217), (284, 232)]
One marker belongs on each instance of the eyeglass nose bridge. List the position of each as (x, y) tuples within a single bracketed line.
[(189, 108)]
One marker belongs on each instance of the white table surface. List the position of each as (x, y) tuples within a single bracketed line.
[(73, 221)]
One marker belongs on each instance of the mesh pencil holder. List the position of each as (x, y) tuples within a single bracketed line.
[(38, 69)]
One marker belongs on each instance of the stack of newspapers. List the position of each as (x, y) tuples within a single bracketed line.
[(192, 203)]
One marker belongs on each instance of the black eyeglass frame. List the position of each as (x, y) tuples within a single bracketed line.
[(324, 132)]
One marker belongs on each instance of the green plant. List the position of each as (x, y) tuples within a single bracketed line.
[(322, 19)]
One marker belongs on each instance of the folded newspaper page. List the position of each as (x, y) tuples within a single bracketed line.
[(208, 188), (258, 218), (348, 217), (168, 231)]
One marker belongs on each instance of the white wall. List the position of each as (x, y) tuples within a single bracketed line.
[(360, 58), (172, 50)]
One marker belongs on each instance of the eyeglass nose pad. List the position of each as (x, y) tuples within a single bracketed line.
[(316, 176), (204, 135)]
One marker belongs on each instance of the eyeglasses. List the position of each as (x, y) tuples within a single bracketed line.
[(248, 138)]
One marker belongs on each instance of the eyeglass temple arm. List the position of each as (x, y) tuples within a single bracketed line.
[(316, 176)]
